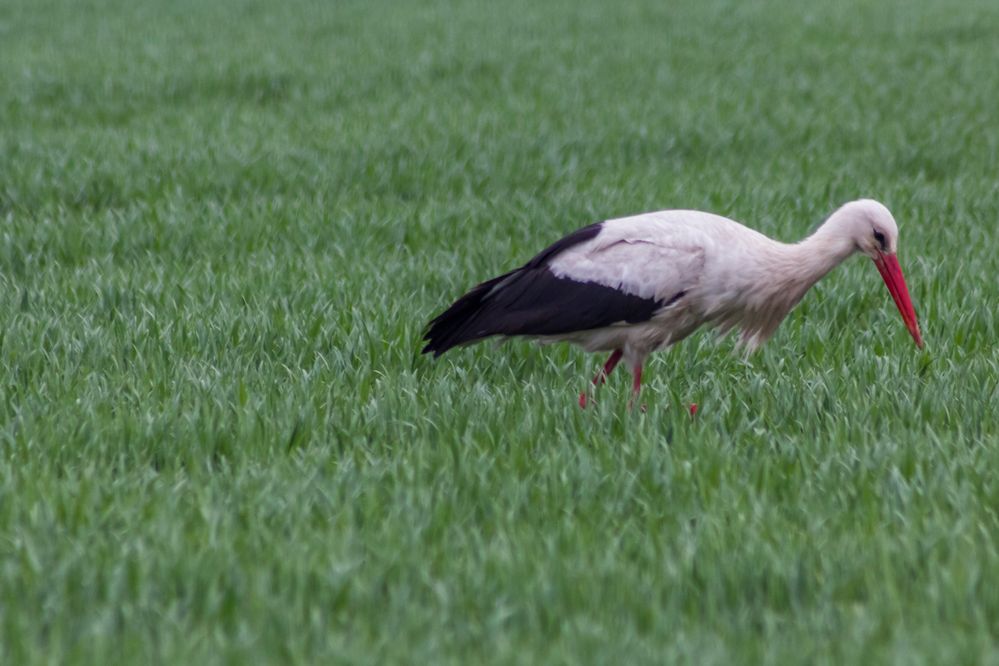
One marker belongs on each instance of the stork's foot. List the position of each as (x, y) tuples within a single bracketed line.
[(633, 402)]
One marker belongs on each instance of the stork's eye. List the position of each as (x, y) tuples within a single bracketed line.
[(880, 238)]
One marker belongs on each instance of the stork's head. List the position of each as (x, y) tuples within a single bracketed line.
[(873, 231), (869, 225)]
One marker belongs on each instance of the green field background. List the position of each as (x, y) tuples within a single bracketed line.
[(223, 226)]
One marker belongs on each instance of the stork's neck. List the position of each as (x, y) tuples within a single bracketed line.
[(795, 268), (821, 252), (773, 277)]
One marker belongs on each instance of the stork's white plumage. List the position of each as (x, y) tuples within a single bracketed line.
[(636, 284)]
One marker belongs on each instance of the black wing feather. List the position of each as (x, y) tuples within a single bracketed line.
[(534, 301)]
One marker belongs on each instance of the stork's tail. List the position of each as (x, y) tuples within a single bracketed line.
[(456, 325)]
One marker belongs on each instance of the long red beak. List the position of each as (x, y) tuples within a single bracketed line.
[(892, 273)]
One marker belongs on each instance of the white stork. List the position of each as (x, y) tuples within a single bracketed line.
[(636, 284)]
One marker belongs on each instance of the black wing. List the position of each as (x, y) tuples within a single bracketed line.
[(532, 300)]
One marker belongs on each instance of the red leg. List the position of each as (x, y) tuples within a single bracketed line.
[(609, 366), (601, 376), (636, 384)]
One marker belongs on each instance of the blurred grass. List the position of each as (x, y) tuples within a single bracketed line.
[(225, 224)]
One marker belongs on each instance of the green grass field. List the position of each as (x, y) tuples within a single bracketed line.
[(224, 225)]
